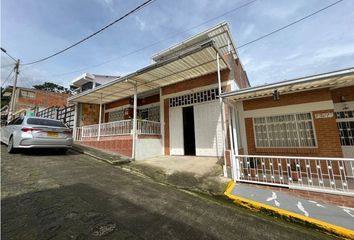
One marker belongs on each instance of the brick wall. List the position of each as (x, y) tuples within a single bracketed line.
[(288, 99), (327, 136), (118, 103), (237, 73), (43, 99), (118, 144), (195, 83), (149, 100), (346, 92)]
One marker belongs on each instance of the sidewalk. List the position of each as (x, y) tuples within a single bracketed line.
[(201, 174), (332, 218)]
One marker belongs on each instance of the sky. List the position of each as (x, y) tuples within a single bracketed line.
[(33, 29)]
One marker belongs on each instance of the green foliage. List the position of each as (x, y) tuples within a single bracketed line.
[(52, 87)]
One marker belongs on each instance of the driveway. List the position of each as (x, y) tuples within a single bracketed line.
[(73, 196)]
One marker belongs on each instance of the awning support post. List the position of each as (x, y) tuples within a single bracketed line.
[(222, 115), (99, 120), (235, 159), (135, 119)]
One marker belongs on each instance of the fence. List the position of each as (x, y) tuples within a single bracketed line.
[(331, 175), (117, 128), (66, 114)]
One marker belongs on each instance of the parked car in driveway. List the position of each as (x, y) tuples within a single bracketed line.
[(35, 132)]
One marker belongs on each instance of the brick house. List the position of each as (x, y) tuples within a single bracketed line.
[(297, 133), (29, 99), (171, 107), (300, 129)]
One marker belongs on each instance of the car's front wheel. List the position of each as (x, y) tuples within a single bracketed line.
[(10, 145)]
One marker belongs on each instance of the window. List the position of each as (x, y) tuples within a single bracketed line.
[(27, 94), (116, 116), (151, 114), (86, 86), (45, 122), (292, 130), (345, 123)]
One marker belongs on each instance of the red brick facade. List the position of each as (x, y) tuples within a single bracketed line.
[(326, 131), (119, 144), (29, 98)]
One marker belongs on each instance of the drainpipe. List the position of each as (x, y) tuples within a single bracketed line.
[(99, 120), (134, 119), (222, 115)]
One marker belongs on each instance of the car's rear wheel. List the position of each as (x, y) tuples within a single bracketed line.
[(10, 146)]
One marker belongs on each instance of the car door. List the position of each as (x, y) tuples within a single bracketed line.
[(6, 131)]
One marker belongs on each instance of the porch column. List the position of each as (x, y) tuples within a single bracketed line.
[(75, 122), (135, 119), (222, 114), (235, 159), (99, 120)]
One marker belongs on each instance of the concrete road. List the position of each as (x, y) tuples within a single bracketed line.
[(73, 196)]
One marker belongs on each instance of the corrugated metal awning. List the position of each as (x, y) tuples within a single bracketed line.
[(335, 79), (198, 62)]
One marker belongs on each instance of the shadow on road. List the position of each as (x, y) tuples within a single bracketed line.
[(82, 212)]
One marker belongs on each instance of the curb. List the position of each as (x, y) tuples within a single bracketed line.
[(112, 162), (331, 228)]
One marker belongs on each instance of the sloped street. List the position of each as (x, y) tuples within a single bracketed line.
[(73, 196)]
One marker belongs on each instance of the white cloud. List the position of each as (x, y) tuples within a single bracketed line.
[(141, 24)]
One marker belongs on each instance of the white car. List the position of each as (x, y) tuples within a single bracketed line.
[(35, 132)]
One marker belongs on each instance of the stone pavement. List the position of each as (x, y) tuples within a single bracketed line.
[(337, 215)]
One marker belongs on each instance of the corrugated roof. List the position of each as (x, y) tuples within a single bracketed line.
[(197, 62), (219, 34), (340, 78)]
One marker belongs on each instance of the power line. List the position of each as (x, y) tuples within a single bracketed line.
[(93, 34), (288, 25), (7, 78), (159, 41)]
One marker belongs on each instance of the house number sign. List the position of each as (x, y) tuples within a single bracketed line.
[(324, 115)]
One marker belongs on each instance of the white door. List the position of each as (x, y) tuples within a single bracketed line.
[(208, 130), (176, 131), (345, 122)]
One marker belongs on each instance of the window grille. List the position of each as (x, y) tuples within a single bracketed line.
[(197, 97), (291, 130), (151, 114), (345, 124), (116, 116)]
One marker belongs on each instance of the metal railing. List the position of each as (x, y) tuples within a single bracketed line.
[(124, 127), (148, 127), (331, 175)]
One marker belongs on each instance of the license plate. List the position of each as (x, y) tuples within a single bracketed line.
[(52, 134)]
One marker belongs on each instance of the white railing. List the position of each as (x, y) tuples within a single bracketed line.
[(331, 175), (149, 127), (124, 127)]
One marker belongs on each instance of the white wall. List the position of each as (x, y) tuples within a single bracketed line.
[(148, 148)]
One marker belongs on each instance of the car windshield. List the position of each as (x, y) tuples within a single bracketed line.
[(45, 122)]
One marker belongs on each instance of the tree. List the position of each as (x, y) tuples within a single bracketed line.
[(52, 87)]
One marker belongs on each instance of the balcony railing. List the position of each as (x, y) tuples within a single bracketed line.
[(124, 127), (331, 175)]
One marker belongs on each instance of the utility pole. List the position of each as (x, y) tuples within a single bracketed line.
[(13, 97)]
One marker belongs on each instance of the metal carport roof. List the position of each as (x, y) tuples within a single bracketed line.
[(197, 62), (340, 78)]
